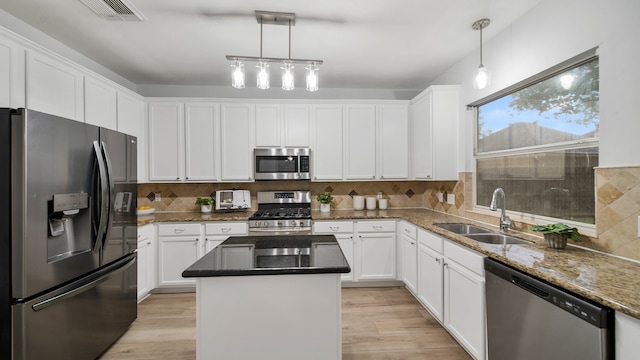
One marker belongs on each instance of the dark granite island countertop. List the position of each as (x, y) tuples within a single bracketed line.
[(272, 255)]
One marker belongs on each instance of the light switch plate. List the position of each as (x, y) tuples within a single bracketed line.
[(158, 197), (451, 199)]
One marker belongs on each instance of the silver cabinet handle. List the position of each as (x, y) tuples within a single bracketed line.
[(334, 228), (178, 231), (377, 227), (225, 230), (407, 230)]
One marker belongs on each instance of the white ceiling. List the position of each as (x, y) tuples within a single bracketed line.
[(378, 44)]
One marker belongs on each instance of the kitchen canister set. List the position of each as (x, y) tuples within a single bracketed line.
[(359, 202)]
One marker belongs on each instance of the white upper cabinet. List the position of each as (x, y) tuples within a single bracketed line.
[(201, 133), (237, 124), (100, 103), (166, 147), (296, 125), (268, 125), (280, 125), (360, 142), (54, 86), (434, 133), (327, 142), (11, 74), (393, 147)]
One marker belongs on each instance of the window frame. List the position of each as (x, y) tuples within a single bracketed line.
[(578, 60)]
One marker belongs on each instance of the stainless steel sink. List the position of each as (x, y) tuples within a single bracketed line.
[(462, 229), (491, 238)]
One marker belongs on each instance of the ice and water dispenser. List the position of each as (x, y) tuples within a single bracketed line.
[(62, 241)]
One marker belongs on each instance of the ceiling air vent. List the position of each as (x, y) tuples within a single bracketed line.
[(118, 10)]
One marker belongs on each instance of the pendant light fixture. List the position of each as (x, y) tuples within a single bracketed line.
[(262, 76), (481, 76)]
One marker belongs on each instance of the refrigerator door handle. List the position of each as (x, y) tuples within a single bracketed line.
[(102, 206), (111, 199), (101, 277)]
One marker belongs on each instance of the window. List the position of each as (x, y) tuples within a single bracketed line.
[(539, 142)]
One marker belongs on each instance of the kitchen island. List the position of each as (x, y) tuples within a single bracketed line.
[(270, 297)]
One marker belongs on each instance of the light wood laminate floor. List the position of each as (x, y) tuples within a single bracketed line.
[(377, 323)]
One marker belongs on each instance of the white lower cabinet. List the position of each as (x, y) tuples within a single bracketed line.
[(217, 232), (179, 247), (431, 273), (627, 333), (464, 298), (375, 250), (343, 231), (146, 260), (409, 255)]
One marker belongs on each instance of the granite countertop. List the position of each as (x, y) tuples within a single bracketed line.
[(603, 278), (188, 216), (269, 255)]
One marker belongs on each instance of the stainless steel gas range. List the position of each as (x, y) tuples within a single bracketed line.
[(282, 213)]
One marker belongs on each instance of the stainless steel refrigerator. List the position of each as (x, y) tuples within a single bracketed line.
[(68, 236)]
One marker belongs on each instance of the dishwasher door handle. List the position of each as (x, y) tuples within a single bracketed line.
[(530, 287)]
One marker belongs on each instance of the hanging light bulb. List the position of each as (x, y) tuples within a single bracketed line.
[(263, 75), (481, 76), (237, 75), (312, 78), (287, 77)]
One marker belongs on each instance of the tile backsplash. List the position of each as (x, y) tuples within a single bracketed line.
[(618, 201)]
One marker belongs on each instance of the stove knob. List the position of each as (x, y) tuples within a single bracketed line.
[(292, 223), (279, 223)]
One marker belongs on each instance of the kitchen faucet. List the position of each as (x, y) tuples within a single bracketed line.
[(505, 222)]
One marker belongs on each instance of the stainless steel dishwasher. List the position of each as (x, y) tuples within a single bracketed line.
[(528, 318)]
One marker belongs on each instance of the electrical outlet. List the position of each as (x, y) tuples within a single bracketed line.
[(158, 197), (440, 199), (451, 199)]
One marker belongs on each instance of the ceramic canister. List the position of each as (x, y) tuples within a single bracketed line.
[(358, 202), (371, 203)]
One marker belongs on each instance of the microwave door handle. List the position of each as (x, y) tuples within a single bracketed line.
[(102, 194)]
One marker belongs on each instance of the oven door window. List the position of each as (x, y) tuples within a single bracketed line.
[(276, 164)]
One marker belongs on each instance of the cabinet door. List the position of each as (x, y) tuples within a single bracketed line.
[(327, 140), (393, 142), (421, 136), (201, 124), (360, 142), (131, 121), (409, 263), (464, 307), (176, 254), (431, 281), (296, 126), (237, 138), (144, 258), (100, 103), (166, 141), (346, 245), (268, 125), (12, 80), (445, 117), (376, 256), (54, 87)]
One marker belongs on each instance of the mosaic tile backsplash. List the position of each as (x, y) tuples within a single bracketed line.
[(618, 201)]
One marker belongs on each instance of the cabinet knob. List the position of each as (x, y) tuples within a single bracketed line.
[(412, 243), (178, 178), (438, 260), (149, 243)]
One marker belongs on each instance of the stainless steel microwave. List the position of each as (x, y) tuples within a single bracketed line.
[(281, 164)]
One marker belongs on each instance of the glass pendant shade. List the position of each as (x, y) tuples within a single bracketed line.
[(312, 78), (263, 76), (481, 77), (237, 76), (287, 77)]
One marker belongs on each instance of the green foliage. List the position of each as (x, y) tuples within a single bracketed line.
[(558, 228), (204, 201), (325, 198)]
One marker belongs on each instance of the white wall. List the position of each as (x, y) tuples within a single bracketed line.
[(552, 32)]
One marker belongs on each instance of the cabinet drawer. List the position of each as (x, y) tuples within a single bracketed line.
[(332, 227), (178, 229), (376, 226), (145, 232), (408, 229), (226, 228), (465, 257), (432, 241)]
